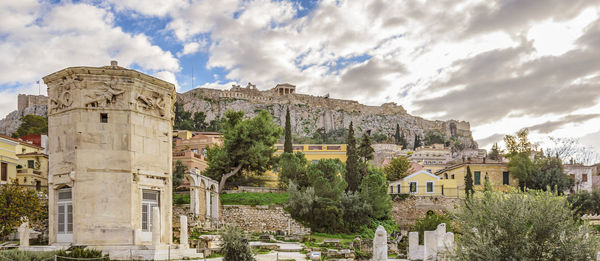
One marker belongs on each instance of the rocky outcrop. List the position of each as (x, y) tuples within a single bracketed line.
[(308, 113), (11, 123), (311, 113)]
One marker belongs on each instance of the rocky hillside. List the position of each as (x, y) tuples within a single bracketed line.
[(308, 113)]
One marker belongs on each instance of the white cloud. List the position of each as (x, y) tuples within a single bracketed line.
[(47, 38), (191, 48), (169, 77)]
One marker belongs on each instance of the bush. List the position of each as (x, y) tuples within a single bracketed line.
[(532, 225), (181, 198), (235, 248), (368, 231), (585, 202), (430, 222), (77, 252)]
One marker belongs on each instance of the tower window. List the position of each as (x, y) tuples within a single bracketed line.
[(104, 117)]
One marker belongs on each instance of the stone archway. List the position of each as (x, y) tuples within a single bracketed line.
[(204, 196)]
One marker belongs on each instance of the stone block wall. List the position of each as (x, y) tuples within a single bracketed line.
[(262, 219), (406, 211)]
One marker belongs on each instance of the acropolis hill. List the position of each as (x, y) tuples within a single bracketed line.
[(310, 113)]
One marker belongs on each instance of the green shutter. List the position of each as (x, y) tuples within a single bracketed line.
[(477, 178)]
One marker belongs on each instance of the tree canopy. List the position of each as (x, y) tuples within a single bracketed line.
[(247, 148), (178, 173), (397, 169), (434, 137), (17, 202), (31, 124), (185, 120)]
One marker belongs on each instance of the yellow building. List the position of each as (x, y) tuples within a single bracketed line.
[(312, 152), (497, 172), (424, 183), (8, 159), (32, 170), (316, 152)]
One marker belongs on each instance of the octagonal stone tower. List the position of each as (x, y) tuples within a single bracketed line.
[(110, 132)]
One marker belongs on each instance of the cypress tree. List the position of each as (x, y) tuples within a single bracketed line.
[(403, 141), (352, 163), (397, 135), (469, 183), (287, 145), (417, 141)]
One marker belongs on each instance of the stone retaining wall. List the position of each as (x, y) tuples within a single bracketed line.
[(262, 219), (407, 211)]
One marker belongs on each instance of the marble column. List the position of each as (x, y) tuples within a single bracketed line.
[(155, 226), (207, 204), (183, 231)]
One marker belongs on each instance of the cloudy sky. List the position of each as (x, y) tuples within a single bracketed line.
[(501, 65)]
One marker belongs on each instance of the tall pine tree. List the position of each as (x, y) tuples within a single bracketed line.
[(287, 145), (469, 183), (352, 162)]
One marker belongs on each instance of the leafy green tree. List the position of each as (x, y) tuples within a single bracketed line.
[(178, 173), (321, 214), (234, 247), (518, 144), (549, 174), (352, 162), (214, 125), (365, 149), (397, 169), (183, 118), (522, 167), (248, 146), (326, 177), (199, 121), (17, 202), (521, 226), (380, 137), (373, 190), (434, 137), (292, 167), (287, 145), (487, 186), (469, 191), (31, 124)]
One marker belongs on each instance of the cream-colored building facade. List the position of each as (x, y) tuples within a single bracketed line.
[(8, 160), (110, 132)]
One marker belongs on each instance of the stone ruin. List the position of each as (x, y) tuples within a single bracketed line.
[(436, 244), (380, 245)]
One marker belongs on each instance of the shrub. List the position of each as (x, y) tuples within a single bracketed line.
[(585, 202), (76, 252), (430, 222), (532, 225), (253, 199), (235, 248)]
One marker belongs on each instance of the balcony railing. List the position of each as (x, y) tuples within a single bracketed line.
[(29, 171), (187, 154)]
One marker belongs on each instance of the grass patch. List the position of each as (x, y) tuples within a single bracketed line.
[(181, 198), (254, 199)]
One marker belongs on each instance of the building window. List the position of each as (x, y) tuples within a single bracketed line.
[(429, 170), (391, 189), (445, 175), (149, 200), (429, 186), (452, 176), (334, 147), (398, 189), (4, 172), (315, 161), (583, 177), (477, 179), (300, 148), (104, 117), (315, 147), (30, 164), (505, 178), (64, 208), (413, 186)]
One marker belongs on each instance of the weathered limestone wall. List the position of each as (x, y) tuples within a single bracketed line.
[(25, 100), (261, 219), (407, 211)]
